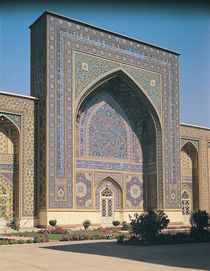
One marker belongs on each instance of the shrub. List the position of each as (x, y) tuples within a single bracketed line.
[(125, 226), (148, 225), (53, 222), (43, 231), (133, 240), (116, 223), (79, 236), (37, 239), (199, 219), (200, 222), (20, 241), (65, 238), (58, 230), (86, 224), (121, 238), (14, 224)]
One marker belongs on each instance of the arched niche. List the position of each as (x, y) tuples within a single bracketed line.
[(115, 187), (189, 172), (9, 163), (117, 98)]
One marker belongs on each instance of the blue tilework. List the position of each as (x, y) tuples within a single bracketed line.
[(94, 41)]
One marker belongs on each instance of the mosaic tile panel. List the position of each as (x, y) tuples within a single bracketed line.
[(83, 190), (114, 166), (134, 191), (118, 137), (107, 134)]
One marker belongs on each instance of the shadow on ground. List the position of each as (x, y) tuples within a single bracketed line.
[(196, 256)]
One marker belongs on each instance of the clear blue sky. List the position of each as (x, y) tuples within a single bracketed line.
[(183, 29)]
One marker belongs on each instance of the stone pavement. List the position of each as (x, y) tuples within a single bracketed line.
[(104, 256)]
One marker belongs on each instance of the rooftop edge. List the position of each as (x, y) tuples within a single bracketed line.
[(18, 95), (101, 29), (195, 126)]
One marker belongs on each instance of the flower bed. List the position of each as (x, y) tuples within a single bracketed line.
[(11, 241), (109, 230), (61, 234), (84, 236)]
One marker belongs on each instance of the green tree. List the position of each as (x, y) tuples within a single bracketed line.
[(147, 226), (200, 222)]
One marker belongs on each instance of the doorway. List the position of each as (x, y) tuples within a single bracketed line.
[(107, 207)]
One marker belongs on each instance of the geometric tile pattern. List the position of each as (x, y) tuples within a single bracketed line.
[(3, 140), (83, 190), (103, 124), (7, 186), (38, 89), (107, 134), (134, 192)]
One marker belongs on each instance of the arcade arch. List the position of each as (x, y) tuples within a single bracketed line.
[(9, 168), (190, 181)]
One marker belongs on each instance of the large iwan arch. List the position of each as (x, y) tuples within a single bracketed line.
[(117, 129)]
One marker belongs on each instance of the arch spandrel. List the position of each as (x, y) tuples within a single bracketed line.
[(14, 119), (110, 179), (194, 143), (91, 71)]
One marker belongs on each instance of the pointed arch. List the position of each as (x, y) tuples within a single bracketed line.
[(109, 178), (190, 149), (147, 128), (10, 161), (126, 77), (114, 186), (189, 142)]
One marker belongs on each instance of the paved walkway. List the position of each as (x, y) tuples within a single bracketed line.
[(104, 256)]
